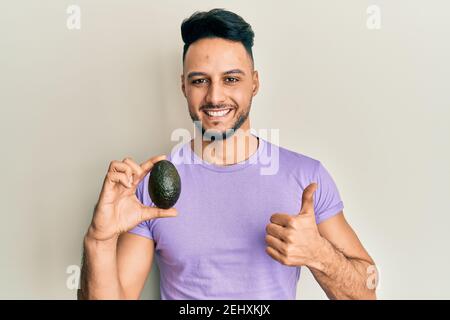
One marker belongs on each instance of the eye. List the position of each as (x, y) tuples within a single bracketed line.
[(231, 79), (198, 81)]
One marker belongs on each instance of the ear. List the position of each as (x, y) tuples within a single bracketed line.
[(183, 88), (255, 82)]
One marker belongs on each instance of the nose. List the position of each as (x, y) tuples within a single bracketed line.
[(216, 94)]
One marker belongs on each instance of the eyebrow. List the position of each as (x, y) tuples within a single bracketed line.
[(197, 73)]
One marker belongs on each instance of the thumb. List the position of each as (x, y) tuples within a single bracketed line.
[(148, 213), (308, 199)]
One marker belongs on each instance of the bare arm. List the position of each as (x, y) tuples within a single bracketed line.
[(134, 260), (116, 269), (99, 273), (345, 266)]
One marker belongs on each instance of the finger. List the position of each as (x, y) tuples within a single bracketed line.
[(118, 166), (115, 178), (282, 219), (137, 170), (148, 213), (276, 231), (147, 165), (276, 255), (276, 243), (308, 199)]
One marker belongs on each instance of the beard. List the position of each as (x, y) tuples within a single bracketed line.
[(212, 134)]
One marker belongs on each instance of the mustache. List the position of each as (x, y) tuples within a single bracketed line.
[(217, 106)]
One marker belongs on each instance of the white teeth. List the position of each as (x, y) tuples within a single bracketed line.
[(217, 113)]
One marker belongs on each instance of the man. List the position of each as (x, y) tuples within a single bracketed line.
[(234, 233)]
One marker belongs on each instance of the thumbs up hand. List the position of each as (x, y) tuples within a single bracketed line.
[(294, 240)]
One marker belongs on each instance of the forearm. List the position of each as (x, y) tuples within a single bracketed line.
[(99, 273), (342, 277)]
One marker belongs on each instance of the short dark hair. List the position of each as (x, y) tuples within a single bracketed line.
[(217, 23)]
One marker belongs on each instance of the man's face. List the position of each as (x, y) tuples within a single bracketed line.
[(219, 83)]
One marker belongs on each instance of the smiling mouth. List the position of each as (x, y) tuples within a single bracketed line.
[(217, 113)]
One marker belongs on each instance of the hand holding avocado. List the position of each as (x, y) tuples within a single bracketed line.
[(118, 209)]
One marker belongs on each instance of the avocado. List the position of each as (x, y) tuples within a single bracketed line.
[(164, 184)]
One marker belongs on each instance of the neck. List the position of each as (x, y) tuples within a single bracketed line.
[(237, 148)]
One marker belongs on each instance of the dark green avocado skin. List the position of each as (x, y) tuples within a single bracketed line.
[(164, 184)]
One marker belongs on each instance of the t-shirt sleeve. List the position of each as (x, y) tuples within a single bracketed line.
[(327, 200), (143, 228)]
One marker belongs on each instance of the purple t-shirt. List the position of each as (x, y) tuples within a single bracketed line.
[(215, 247)]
